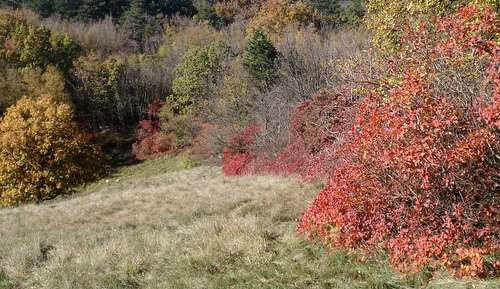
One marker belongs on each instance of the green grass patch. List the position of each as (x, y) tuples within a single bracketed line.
[(162, 165), (5, 282), (149, 168)]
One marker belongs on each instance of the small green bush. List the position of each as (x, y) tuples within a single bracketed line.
[(199, 70)]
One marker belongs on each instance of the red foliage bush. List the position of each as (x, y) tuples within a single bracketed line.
[(418, 172), (320, 120), (238, 156), (318, 125), (151, 142), (292, 160)]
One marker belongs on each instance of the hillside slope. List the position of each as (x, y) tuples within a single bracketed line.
[(185, 229)]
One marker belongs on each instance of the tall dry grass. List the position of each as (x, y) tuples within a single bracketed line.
[(153, 226)]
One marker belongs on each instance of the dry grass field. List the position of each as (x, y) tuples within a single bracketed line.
[(163, 224)]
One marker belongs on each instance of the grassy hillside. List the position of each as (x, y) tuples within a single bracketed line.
[(155, 225)]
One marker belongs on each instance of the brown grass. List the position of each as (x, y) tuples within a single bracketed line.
[(185, 229)]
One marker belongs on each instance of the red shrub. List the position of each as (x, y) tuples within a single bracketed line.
[(292, 160), (151, 141), (316, 125), (319, 121), (238, 157), (418, 170)]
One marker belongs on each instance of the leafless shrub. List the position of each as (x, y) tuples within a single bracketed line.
[(182, 34), (309, 62), (141, 82), (273, 113), (102, 37), (306, 55)]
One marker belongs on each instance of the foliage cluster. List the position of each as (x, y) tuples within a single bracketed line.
[(336, 14), (234, 10), (43, 152), (26, 45), (35, 82), (238, 154), (275, 15), (115, 92), (384, 17), (199, 70), (424, 136), (151, 142), (174, 123), (273, 87)]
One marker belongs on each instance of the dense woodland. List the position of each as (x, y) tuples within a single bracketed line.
[(393, 105)]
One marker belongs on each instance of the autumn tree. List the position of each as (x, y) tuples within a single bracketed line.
[(274, 15), (231, 10), (42, 152), (385, 16), (15, 84)]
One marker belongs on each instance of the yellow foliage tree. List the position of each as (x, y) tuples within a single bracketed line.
[(14, 83), (42, 151), (384, 16), (49, 82), (275, 15), (231, 10)]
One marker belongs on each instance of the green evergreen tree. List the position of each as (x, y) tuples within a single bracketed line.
[(133, 21), (43, 7), (91, 10), (260, 60)]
